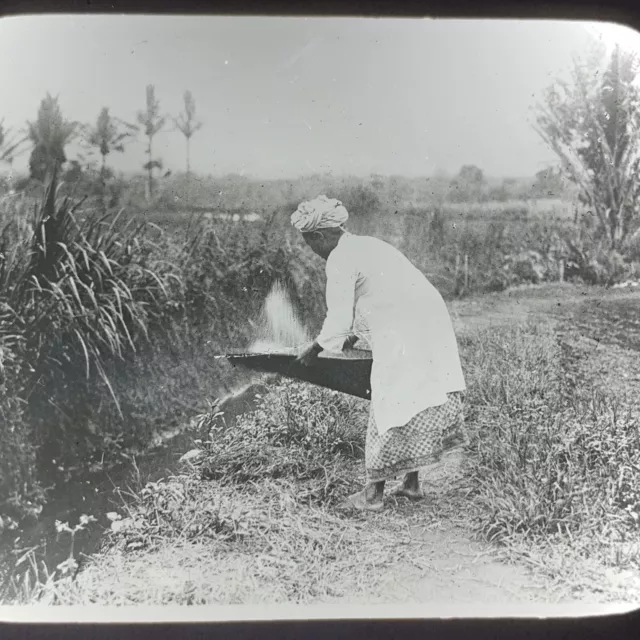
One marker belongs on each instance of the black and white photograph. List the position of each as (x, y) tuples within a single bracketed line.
[(328, 312)]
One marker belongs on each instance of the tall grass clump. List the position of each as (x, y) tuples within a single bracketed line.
[(90, 294), (78, 298), (20, 492), (227, 270), (473, 249), (463, 254), (548, 461)]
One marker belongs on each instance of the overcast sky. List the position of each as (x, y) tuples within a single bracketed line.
[(281, 97)]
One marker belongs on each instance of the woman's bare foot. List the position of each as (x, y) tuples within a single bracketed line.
[(359, 501), (369, 499)]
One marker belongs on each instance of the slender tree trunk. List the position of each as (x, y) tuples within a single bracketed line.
[(188, 156), (150, 170), (466, 272), (188, 186), (103, 182), (615, 229)]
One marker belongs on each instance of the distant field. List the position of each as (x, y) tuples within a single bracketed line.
[(548, 207), (172, 220), (485, 212)]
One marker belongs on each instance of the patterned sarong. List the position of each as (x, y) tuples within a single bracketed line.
[(420, 442)]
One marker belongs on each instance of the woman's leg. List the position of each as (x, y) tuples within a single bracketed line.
[(374, 491), (371, 497), (434, 427)]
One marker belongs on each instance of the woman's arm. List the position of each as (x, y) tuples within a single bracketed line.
[(340, 296), (338, 324)]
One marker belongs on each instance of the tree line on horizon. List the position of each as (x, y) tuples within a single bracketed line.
[(591, 122), (50, 133)]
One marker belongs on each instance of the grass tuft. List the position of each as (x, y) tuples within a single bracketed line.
[(548, 459), (297, 432)]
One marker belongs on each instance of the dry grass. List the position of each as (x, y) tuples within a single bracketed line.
[(214, 543), (108, 332), (570, 566), (185, 541), (256, 518), (539, 207), (270, 547)]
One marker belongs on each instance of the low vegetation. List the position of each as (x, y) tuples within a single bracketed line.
[(548, 465), (110, 322), (552, 457)]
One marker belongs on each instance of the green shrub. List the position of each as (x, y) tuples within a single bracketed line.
[(229, 269), (119, 322), (589, 258), (20, 494)]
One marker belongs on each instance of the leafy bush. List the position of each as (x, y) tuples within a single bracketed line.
[(361, 201), (498, 251), (229, 268), (19, 491), (116, 322), (589, 258), (504, 251), (91, 293)]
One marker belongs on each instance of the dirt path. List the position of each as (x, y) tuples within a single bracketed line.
[(458, 569), (454, 567)]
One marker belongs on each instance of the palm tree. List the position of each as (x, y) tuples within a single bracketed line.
[(108, 135), (593, 125), (152, 123), (187, 124), (49, 135)]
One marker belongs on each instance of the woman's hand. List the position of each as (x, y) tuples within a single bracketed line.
[(350, 341), (308, 356)]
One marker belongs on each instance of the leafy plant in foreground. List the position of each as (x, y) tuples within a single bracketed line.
[(83, 296)]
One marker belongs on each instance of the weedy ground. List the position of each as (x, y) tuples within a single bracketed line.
[(542, 504)]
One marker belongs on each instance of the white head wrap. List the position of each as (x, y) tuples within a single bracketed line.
[(321, 213)]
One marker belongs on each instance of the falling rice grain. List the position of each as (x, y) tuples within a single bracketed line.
[(280, 329)]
